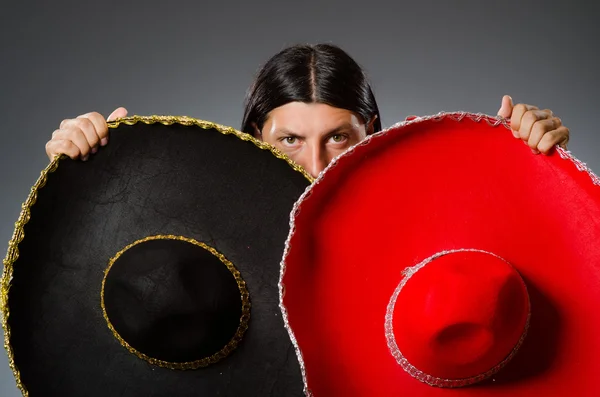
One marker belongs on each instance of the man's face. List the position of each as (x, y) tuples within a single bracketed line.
[(313, 134)]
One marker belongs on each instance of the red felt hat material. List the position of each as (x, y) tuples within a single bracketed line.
[(457, 317), (449, 182)]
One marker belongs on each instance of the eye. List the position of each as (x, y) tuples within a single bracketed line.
[(289, 141), (338, 138)]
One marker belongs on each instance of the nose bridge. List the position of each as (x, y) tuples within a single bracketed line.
[(317, 158)]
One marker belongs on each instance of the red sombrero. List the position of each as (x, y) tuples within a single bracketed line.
[(441, 257)]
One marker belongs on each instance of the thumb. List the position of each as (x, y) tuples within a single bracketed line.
[(507, 107), (117, 113)]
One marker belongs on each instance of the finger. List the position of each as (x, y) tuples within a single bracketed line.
[(56, 147), (506, 107), (539, 129), (76, 136), (87, 127), (517, 114), (559, 136), (117, 113), (528, 120), (100, 126), (62, 123)]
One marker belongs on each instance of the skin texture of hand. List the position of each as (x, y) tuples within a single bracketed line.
[(81, 136), (539, 129)]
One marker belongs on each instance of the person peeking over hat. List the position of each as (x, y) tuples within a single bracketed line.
[(312, 102)]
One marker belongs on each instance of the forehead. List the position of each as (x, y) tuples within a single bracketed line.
[(301, 118)]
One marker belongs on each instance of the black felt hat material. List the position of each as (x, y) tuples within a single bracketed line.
[(152, 269)]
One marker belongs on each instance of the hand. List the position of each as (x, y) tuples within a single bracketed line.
[(540, 129), (79, 137)]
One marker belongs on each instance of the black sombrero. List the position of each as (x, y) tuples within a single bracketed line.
[(152, 268)]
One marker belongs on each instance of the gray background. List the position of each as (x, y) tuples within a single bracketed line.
[(63, 59)]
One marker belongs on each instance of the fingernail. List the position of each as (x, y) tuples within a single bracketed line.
[(104, 141), (85, 158), (534, 151), (94, 150)]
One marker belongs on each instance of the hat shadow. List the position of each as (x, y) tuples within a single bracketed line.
[(538, 351)]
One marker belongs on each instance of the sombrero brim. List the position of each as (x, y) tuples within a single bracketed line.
[(160, 175), (444, 182)]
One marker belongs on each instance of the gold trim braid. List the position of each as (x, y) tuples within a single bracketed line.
[(11, 257), (18, 235), (203, 362)]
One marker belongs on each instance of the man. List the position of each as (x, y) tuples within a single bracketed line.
[(312, 102)]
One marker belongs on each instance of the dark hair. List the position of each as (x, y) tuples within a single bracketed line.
[(321, 73)]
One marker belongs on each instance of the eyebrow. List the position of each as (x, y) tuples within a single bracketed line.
[(343, 127)]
